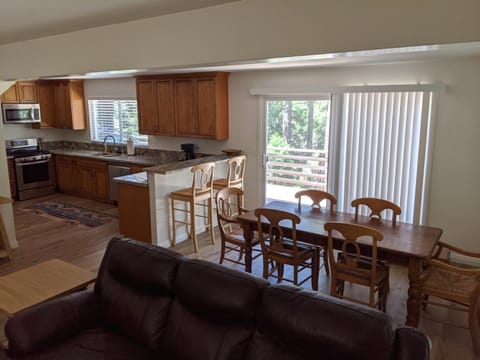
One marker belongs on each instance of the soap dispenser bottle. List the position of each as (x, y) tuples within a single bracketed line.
[(130, 147)]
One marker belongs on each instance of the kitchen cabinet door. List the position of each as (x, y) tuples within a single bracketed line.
[(93, 179), (134, 212), (62, 113), (147, 107), (27, 91), (69, 104), (206, 108), (46, 99), (10, 95), (65, 172), (165, 107), (185, 106)]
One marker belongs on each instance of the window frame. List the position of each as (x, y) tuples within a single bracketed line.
[(93, 127)]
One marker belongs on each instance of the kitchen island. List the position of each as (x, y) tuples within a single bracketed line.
[(161, 180)]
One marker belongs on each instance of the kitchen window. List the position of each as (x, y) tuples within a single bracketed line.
[(117, 117)]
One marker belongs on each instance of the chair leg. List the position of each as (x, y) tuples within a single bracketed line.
[(222, 252), (174, 227), (210, 220), (295, 274), (325, 260), (193, 226), (280, 269), (333, 286), (473, 325), (265, 267), (315, 271)]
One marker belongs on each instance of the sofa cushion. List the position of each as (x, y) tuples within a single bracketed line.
[(135, 287), (299, 324), (213, 314), (93, 344)]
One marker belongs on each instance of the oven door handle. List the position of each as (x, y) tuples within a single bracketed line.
[(33, 162)]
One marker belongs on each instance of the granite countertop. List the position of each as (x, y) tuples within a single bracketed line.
[(171, 167), (95, 154), (138, 179)]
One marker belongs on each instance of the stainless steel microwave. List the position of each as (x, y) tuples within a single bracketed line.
[(21, 113)]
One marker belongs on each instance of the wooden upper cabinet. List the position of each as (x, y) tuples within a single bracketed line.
[(10, 95), (27, 92), (184, 105), (206, 108), (155, 107), (69, 102), (23, 92), (165, 107), (46, 100), (147, 107)]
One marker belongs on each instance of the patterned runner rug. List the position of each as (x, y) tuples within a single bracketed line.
[(69, 214)]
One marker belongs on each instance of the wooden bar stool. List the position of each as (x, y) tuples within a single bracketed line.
[(235, 173), (200, 192), (6, 252)]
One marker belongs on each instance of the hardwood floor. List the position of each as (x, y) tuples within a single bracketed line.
[(41, 238)]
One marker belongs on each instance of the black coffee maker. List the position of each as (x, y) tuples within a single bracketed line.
[(188, 149)]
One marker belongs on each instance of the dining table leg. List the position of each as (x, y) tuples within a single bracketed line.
[(248, 236), (414, 292)]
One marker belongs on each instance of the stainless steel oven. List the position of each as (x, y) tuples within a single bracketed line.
[(34, 169)]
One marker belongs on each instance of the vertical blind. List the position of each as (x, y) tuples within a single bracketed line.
[(115, 117), (382, 149)]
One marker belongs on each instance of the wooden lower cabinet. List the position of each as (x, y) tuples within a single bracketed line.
[(134, 212), (65, 174), (84, 177), (11, 178), (93, 179)]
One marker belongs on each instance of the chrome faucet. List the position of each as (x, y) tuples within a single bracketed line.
[(105, 149)]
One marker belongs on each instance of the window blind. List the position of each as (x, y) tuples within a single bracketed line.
[(115, 117), (382, 149)]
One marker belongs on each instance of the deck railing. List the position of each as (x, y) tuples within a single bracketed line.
[(297, 168)]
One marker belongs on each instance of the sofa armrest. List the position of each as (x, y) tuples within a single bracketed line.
[(411, 344), (51, 322)]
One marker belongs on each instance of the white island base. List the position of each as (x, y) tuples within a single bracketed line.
[(160, 187)]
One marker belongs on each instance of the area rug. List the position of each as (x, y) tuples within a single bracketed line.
[(70, 214)]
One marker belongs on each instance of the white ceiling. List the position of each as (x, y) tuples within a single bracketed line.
[(29, 19)]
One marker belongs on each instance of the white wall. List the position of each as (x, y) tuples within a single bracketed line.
[(454, 202), (6, 210), (245, 30)]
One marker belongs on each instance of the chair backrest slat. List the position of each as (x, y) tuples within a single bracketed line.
[(274, 241), (377, 206), (316, 196)]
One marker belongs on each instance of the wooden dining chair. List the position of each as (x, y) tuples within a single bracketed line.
[(229, 204), (199, 194), (279, 250), (459, 285), (316, 197), (351, 266), (235, 173), (377, 206)]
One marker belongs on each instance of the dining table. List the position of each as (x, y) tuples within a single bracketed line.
[(408, 244)]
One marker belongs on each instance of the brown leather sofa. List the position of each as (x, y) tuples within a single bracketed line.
[(152, 303)]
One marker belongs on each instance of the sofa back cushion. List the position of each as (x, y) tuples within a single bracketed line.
[(135, 286), (298, 324), (214, 312)]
